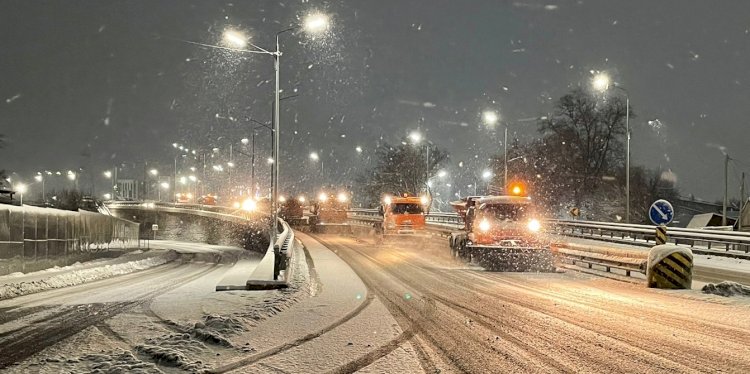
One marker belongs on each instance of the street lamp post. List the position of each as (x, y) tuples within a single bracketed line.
[(40, 178), (601, 83), (313, 23), (21, 188), (491, 118)]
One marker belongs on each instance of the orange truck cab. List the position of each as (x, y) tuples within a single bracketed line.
[(207, 200), (404, 214), (184, 198)]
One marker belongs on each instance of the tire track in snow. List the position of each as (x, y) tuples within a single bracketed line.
[(70, 320), (467, 312)]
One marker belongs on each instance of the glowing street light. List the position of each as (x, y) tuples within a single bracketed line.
[(442, 173), (602, 82), (245, 141), (107, 196), (358, 149), (314, 156), (415, 137), (108, 174), (486, 175), (316, 23), (235, 39), (154, 172), (490, 117), (71, 175)]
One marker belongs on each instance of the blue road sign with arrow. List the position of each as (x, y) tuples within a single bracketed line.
[(661, 212)]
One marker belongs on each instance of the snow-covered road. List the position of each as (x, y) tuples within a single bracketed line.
[(86, 296), (353, 306), (465, 319)]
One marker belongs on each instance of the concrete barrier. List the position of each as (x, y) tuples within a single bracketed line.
[(34, 238), (670, 267)]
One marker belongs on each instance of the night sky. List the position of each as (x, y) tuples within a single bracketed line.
[(119, 81)]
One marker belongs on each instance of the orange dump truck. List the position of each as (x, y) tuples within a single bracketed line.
[(404, 215)]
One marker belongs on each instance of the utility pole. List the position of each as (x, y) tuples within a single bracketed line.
[(174, 181), (726, 191), (742, 202), (252, 168), (230, 167), (505, 159)]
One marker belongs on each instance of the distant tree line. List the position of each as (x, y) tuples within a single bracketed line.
[(579, 161), (402, 168)]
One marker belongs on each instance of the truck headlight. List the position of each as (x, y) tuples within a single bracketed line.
[(484, 225), (534, 225)]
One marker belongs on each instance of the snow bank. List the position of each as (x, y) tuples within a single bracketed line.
[(726, 289), (76, 277), (111, 362)]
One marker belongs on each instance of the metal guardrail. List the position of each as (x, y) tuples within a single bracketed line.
[(735, 244)]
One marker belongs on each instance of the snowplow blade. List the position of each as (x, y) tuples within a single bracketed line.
[(513, 259), (411, 238)]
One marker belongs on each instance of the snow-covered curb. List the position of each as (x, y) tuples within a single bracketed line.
[(76, 277)]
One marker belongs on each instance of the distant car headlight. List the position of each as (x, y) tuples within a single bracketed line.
[(534, 225), (249, 205), (424, 200), (342, 197), (484, 225), (322, 197)]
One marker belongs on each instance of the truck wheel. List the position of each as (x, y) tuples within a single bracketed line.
[(462, 250)]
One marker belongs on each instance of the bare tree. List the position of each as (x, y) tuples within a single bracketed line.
[(583, 141), (402, 168)]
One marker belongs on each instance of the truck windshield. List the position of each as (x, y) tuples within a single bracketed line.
[(406, 209), (502, 212)]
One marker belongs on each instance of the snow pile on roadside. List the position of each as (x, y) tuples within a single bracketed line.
[(216, 329), (76, 277), (114, 362), (726, 289), (174, 350)]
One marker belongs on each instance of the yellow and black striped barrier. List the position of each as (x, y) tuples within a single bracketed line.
[(661, 235), (670, 267)]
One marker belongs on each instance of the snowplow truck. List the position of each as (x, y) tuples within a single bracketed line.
[(501, 233), (330, 208), (404, 215)]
